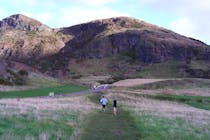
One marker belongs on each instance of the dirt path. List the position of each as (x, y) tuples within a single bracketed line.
[(122, 83), (135, 82)]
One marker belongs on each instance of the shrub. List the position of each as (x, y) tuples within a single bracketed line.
[(20, 81), (5, 82), (16, 77), (131, 54), (23, 72)]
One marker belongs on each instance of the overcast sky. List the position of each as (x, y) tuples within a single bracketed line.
[(187, 17)]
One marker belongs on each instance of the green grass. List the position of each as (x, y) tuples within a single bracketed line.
[(43, 91), (91, 66), (20, 127), (156, 128), (169, 69), (200, 64), (195, 101), (104, 126)]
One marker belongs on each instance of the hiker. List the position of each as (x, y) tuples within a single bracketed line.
[(103, 102), (94, 86), (115, 107)]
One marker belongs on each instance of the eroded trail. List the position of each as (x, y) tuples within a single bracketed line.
[(135, 82), (105, 126)]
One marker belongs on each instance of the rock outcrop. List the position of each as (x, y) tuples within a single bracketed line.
[(22, 22), (28, 41), (127, 36)]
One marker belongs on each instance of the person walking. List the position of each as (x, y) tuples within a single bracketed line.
[(103, 103), (115, 107)]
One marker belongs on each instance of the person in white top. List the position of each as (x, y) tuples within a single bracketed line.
[(103, 103)]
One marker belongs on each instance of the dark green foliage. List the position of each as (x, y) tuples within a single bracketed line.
[(108, 81), (20, 81), (131, 54), (16, 77), (199, 73), (5, 81), (12, 78), (45, 66), (23, 72), (51, 65), (198, 68)]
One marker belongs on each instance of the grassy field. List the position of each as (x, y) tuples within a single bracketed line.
[(140, 116), (159, 128), (21, 127), (163, 120), (179, 86), (134, 124), (195, 101), (43, 91), (42, 119)]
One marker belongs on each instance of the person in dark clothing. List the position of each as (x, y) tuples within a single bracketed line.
[(115, 107)]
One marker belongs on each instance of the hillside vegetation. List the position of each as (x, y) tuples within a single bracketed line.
[(121, 47)]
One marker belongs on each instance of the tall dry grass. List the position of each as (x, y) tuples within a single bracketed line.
[(70, 110), (160, 108), (135, 82), (39, 105)]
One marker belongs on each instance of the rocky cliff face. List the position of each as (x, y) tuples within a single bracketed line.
[(22, 22), (137, 39), (28, 41)]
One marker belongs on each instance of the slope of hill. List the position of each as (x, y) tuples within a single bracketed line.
[(22, 22), (125, 46), (23, 38), (127, 36), (122, 47)]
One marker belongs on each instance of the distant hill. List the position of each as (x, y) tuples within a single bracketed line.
[(23, 38), (137, 39), (22, 22), (121, 47)]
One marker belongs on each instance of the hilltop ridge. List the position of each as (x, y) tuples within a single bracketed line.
[(22, 22), (113, 44)]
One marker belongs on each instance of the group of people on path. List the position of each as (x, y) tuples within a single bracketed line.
[(104, 102)]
